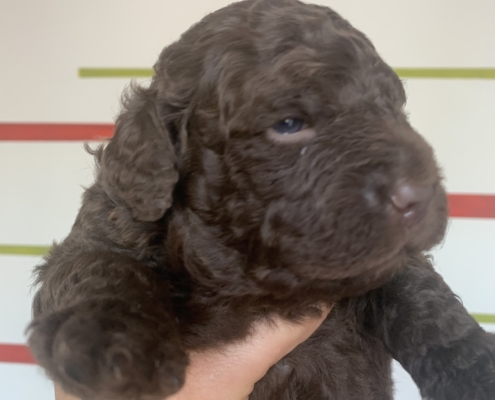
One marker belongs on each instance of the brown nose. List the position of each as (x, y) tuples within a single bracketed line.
[(411, 201)]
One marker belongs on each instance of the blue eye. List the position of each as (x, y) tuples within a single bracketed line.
[(288, 126)]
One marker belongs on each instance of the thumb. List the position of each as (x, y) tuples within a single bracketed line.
[(275, 339)]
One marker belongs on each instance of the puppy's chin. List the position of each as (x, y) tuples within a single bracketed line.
[(373, 269), (331, 282), (305, 282)]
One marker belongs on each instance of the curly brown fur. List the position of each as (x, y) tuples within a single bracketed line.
[(203, 220)]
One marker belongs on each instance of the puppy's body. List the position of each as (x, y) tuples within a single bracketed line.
[(269, 167)]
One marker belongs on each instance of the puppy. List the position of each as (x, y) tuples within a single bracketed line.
[(268, 167)]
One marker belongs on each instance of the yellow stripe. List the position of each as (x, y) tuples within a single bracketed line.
[(20, 250), (411, 73), (446, 73), (115, 72), (484, 318)]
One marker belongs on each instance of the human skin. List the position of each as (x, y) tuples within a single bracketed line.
[(231, 372)]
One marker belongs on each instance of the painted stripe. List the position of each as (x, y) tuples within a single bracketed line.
[(484, 318), (115, 72), (472, 206), (411, 73), (446, 73), (20, 250), (15, 353), (61, 132)]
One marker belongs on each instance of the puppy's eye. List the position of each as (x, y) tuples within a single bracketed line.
[(288, 126), (291, 130)]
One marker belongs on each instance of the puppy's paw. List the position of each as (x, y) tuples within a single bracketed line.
[(110, 350), (467, 370)]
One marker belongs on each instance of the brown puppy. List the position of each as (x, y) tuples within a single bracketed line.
[(267, 168)]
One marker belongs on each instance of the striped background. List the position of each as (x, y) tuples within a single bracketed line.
[(65, 63)]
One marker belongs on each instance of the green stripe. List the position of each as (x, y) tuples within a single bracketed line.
[(421, 73), (115, 72), (484, 318), (447, 73), (18, 250)]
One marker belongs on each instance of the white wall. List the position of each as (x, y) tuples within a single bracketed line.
[(43, 43)]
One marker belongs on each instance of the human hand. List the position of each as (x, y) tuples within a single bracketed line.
[(231, 373)]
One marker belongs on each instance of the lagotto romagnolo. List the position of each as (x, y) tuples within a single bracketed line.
[(268, 167)]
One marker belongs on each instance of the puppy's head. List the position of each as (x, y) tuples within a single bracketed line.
[(286, 133)]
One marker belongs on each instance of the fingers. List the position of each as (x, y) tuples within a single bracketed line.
[(275, 339), (231, 372), (61, 395)]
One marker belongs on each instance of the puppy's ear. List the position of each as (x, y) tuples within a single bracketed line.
[(138, 166)]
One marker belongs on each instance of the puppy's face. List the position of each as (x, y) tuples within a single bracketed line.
[(298, 150)]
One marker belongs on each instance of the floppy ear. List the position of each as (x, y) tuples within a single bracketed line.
[(138, 166)]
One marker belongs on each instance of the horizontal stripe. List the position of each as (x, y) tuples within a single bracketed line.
[(472, 206), (484, 318), (446, 73), (411, 73), (60, 132), (15, 353), (10, 353), (115, 72), (17, 250)]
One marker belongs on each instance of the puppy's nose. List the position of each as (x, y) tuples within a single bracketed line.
[(411, 201)]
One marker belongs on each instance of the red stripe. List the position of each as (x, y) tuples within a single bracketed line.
[(48, 132), (15, 353), (472, 205)]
